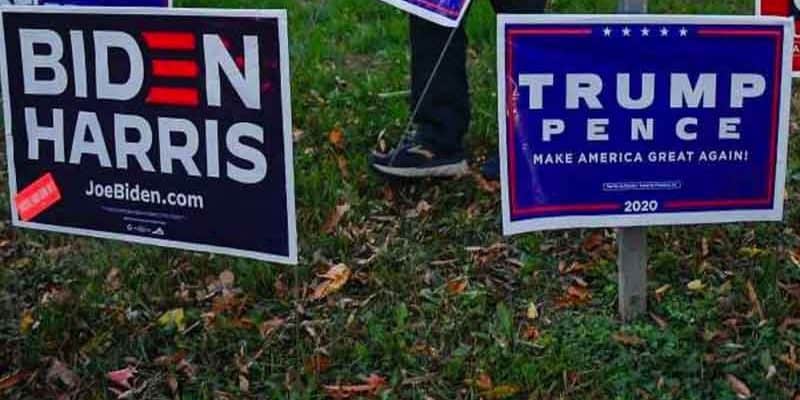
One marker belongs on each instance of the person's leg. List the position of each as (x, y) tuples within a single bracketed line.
[(443, 113)]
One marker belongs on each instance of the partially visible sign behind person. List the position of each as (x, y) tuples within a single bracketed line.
[(646, 120), (161, 127), (443, 12), (784, 8), (109, 3)]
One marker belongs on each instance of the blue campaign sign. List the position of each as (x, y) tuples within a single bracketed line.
[(443, 12), (109, 3), (159, 126), (612, 121)]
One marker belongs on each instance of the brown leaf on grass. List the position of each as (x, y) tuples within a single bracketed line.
[(26, 322), (484, 382), (627, 339), (336, 138), (268, 327), (14, 379), (753, 297), (788, 323), (573, 268), (738, 387), (662, 291), (317, 364), (531, 333), (501, 392), (227, 278), (335, 217), (575, 295), (297, 134), (372, 386), (122, 377), (661, 322), (790, 362), (457, 286), (336, 277), (593, 242), (59, 372), (341, 162), (485, 185), (113, 280)]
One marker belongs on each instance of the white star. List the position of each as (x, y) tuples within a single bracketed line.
[(664, 31), (684, 32), (626, 31), (645, 31), (607, 31)]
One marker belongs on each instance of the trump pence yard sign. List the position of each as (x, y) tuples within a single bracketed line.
[(610, 121), (164, 127), (443, 12)]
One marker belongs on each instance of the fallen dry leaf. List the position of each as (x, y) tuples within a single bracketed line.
[(59, 372), (753, 297), (533, 312), (336, 277), (531, 333), (457, 286), (14, 379), (113, 280), (371, 387), (501, 392), (268, 327), (627, 339), (227, 278), (317, 364), (341, 162), (696, 285), (297, 134), (173, 318), (336, 138), (739, 387), (335, 217), (26, 322), (122, 377)]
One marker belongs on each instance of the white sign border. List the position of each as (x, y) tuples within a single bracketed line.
[(627, 220), (288, 150), (428, 14)]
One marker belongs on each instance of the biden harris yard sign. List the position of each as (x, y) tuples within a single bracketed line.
[(610, 121), (163, 127), (443, 12)]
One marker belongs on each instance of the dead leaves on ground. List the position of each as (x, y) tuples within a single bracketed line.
[(335, 217), (371, 386), (489, 391), (333, 280)]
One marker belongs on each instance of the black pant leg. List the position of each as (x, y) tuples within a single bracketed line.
[(444, 114), (519, 6)]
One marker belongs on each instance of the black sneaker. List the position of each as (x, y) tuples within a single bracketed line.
[(412, 159)]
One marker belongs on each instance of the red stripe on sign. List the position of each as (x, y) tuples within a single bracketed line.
[(37, 197), (169, 40), (776, 7), (175, 69), (173, 96)]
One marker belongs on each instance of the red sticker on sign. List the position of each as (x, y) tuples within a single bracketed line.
[(37, 197)]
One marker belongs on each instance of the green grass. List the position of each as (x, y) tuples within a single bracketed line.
[(396, 316)]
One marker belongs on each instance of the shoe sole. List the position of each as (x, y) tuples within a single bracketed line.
[(442, 171)]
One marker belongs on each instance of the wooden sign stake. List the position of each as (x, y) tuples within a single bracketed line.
[(632, 242)]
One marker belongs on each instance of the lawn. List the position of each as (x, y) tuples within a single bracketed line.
[(438, 304)]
